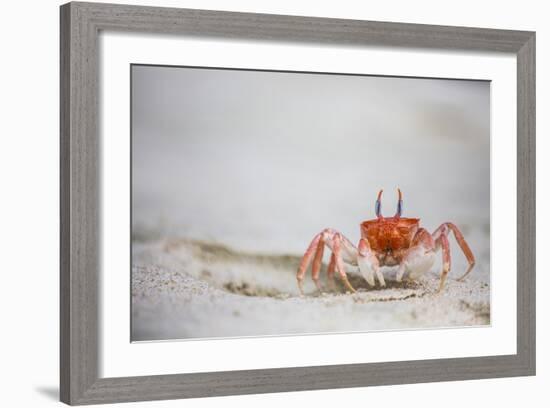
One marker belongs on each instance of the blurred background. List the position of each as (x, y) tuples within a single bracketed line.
[(262, 161)]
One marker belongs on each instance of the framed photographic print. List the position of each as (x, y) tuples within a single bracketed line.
[(263, 196)]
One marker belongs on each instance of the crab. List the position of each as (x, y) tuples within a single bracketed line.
[(385, 241)]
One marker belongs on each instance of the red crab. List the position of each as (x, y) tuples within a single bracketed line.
[(385, 241)]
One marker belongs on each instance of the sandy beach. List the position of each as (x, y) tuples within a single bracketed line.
[(188, 289)]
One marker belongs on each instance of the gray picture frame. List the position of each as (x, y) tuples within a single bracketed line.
[(80, 192)]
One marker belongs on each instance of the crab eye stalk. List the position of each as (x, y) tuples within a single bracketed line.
[(378, 205), (399, 205)]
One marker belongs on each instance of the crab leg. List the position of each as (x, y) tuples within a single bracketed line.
[(342, 249), (443, 242), (317, 261), (330, 271), (336, 248), (306, 260), (444, 230), (419, 257), (465, 249)]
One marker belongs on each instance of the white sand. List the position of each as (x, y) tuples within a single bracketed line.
[(188, 289)]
